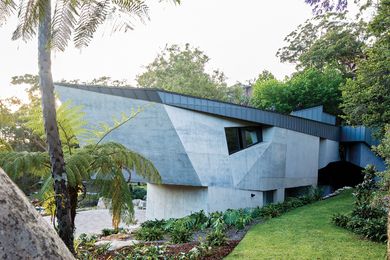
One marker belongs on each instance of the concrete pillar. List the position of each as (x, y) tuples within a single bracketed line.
[(279, 195)]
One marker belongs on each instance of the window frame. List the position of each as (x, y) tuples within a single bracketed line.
[(241, 135)]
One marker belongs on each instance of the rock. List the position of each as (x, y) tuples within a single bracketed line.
[(24, 234), (142, 204), (103, 203), (136, 202), (117, 244)]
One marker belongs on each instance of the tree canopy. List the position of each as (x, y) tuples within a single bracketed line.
[(182, 70), (308, 88)]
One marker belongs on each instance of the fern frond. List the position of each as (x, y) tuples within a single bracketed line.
[(7, 7), (28, 18), (92, 14), (64, 20), (18, 163), (78, 167)]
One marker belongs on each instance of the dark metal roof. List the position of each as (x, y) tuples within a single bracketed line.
[(219, 108)]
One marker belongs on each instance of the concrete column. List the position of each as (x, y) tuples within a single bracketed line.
[(279, 195)]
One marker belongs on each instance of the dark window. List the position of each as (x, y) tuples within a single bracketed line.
[(268, 197), (233, 139), (239, 138)]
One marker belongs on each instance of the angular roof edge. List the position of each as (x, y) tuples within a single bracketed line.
[(219, 108)]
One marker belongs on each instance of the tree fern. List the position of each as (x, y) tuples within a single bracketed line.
[(105, 161)]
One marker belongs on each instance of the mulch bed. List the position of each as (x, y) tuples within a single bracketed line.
[(215, 254)]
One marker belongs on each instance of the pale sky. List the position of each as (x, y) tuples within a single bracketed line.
[(240, 37)]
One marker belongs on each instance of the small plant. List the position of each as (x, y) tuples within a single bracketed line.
[(180, 234), (147, 252), (149, 234), (154, 223), (340, 220), (111, 231), (216, 238)]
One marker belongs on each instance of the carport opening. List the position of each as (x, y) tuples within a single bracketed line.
[(339, 174)]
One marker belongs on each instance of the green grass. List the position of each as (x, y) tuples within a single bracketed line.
[(307, 233)]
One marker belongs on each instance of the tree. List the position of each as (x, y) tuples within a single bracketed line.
[(182, 70), (308, 88), (366, 99), (104, 161), (330, 39), (81, 18)]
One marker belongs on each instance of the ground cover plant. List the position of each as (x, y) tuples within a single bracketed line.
[(307, 233)]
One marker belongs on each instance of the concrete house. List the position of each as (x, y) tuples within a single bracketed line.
[(212, 155)]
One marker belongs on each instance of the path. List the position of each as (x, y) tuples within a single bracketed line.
[(93, 221)]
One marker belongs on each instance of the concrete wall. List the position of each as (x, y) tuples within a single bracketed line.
[(329, 152), (189, 149)]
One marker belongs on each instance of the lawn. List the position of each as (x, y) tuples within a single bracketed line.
[(307, 233)]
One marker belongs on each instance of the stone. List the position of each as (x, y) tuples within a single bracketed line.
[(103, 203), (24, 234)]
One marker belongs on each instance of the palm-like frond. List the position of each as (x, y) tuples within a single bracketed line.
[(64, 20), (70, 124), (92, 14), (29, 13), (7, 7), (78, 167), (18, 163)]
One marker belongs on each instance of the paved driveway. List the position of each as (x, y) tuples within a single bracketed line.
[(93, 221)]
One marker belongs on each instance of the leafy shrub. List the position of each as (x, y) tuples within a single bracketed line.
[(180, 234), (154, 223), (340, 220), (367, 219), (90, 200), (216, 237), (138, 193), (197, 252), (147, 252), (149, 234), (110, 231)]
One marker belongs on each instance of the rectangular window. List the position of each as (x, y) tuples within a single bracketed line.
[(268, 197), (239, 138), (233, 139)]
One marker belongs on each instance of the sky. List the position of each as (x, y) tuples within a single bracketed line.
[(241, 39)]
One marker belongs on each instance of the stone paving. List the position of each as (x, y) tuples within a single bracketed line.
[(93, 221)]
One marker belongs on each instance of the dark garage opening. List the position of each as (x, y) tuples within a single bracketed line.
[(339, 174)]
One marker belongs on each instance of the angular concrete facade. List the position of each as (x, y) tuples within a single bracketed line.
[(190, 150)]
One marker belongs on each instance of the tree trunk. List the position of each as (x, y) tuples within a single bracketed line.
[(63, 213), (73, 195)]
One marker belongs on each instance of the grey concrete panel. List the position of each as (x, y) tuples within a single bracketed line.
[(151, 133)]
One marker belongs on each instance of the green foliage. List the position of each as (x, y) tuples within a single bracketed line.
[(367, 218), (141, 252), (238, 218), (180, 234), (216, 237), (149, 234), (111, 231), (197, 252), (330, 39), (182, 70), (104, 160), (138, 193), (78, 18), (304, 89)]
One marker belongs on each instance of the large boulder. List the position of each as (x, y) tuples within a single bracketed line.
[(24, 234)]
